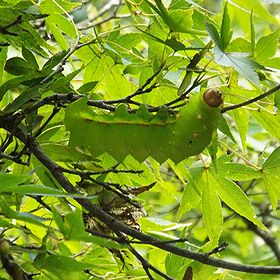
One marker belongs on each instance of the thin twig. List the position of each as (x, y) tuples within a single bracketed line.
[(112, 17), (179, 240), (40, 130), (119, 193), (68, 98), (14, 158), (60, 66), (140, 90), (219, 248), (86, 174), (250, 101)]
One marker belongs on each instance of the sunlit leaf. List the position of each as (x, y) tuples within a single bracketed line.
[(233, 196), (267, 46), (211, 209)]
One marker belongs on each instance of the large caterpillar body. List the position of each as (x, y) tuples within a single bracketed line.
[(143, 134)]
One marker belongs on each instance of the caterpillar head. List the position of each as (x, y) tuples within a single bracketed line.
[(213, 97)]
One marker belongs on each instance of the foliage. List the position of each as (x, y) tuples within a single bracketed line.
[(69, 209)]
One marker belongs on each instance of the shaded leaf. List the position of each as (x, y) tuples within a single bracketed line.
[(243, 65), (214, 34), (17, 66), (226, 32), (30, 58)]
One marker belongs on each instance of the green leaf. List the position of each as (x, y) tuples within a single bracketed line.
[(87, 87), (62, 153), (23, 98), (156, 225), (226, 32), (17, 66), (239, 45), (53, 61), (159, 9), (211, 209), (225, 128), (266, 46), (271, 176), (233, 196), (271, 182), (252, 35), (238, 172), (65, 268), (175, 263), (57, 33), (3, 58), (64, 24), (10, 180), (191, 194), (245, 7), (241, 118), (243, 65), (273, 161), (269, 121), (56, 6), (174, 44), (39, 191), (58, 220), (162, 11), (214, 34), (180, 20), (74, 227), (13, 83), (21, 216), (30, 58)]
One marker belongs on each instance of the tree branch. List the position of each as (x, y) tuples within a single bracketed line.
[(250, 101)]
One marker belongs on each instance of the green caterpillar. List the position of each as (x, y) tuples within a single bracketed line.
[(143, 134)]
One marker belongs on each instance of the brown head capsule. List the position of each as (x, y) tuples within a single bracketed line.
[(213, 97)]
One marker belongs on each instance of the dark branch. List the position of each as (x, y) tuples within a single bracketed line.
[(15, 158), (250, 101), (219, 248)]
